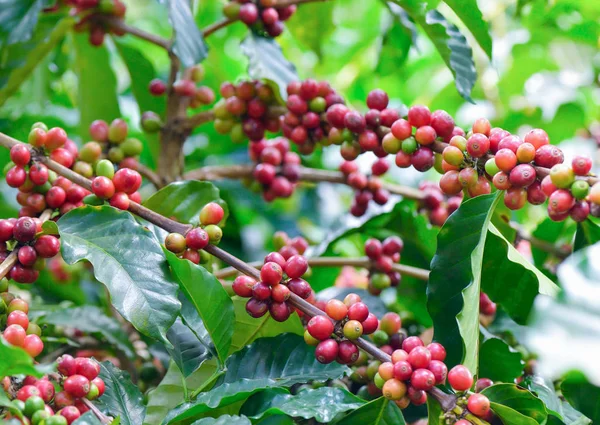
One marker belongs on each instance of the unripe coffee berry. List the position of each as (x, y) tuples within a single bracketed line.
[(211, 213), (353, 329), (336, 309)]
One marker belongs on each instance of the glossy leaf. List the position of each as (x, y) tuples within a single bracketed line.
[(224, 420), (9, 405), (15, 361), (93, 320), (188, 350), (555, 233), (559, 410), (121, 397), (322, 404), (582, 395), (128, 260), (503, 263), (184, 200), (573, 318), (471, 16), (515, 405), (189, 44), (18, 19), (97, 84), (588, 233), (449, 42), (88, 418), (313, 23), (397, 40), (434, 412), (266, 61), (454, 282), (268, 363), (20, 59), (377, 412), (375, 303), (209, 298), (498, 361)]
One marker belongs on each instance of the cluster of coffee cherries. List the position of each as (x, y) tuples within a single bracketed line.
[(436, 204), (367, 188), (279, 278), (40, 403), (109, 141), (305, 122), (246, 111), (358, 133), (191, 246), (186, 87), (513, 164), (18, 330), (461, 380), (383, 255), (118, 188), (262, 16), (277, 169), (287, 246), (21, 236), (91, 13), (334, 333)]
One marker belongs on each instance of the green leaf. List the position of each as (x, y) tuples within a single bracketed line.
[(184, 200), (10, 405), (247, 329), (498, 361), (188, 350), (470, 15), (97, 84), (15, 361), (588, 233), (322, 404), (377, 412), (573, 316), (280, 361), (555, 233), (142, 72), (503, 263), (189, 44), (434, 412), (49, 228), (224, 420), (448, 41), (515, 405), (266, 61), (19, 60), (454, 282), (93, 320), (312, 24), (121, 397), (582, 395), (563, 412), (18, 19), (212, 303), (128, 260), (89, 418), (397, 40)]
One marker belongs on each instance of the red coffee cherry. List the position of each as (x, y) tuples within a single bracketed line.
[(27, 256), (157, 87), (77, 385), (19, 154), (56, 197), (478, 145), (300, 287), (66, 365), (271, 273), (25, 229), (460, 378), (581, 165), (402, 370), (358, 311), (320, 327), (280, 293), (422, 379), (211, 213), (437, 350), (33, 345), (87, 367), (70, 413), (327, 351), (63, 399), (261, 291), (390, 323), (336, 309), (347, 352), (370, 324), (483, 383), (506, 160), (242, 286), (377, 99), (561, 201), (411, 342), (280, 311), (515, 198), (103, 187), (256, 308), (419, 116), (439, 370), (16, 176), (120, 200), (537, 137), (14, 335), (522, 175), (548, 156), (401, 129), (55, 138), (26, 392), (296, 266), (47, 246), (197, 238), (46, 389), (478, 404), (419, 357), (127, 180)]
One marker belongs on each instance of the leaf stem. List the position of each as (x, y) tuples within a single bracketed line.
[(150, 175), (101, 416), (120, 25), (364, 262), (217, 26)]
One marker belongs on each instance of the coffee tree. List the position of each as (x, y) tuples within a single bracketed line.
[(197, 230)]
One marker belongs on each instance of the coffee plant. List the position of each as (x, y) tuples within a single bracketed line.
[(299, 211)]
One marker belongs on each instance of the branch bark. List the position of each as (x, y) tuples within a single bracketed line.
[(120, 25)]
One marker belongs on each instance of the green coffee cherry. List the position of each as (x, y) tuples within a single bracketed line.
[(105, 168), (132, 146), (214, 233)]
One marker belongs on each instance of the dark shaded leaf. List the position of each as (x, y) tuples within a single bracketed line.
[(397, 41), (322, 404), (498, 361), (93, 320), (588, 233), (18, 19), (268, 363), (582, 395), (470, 15), (188, 351), (189, 45), (184, 200), (266, 61), (224, 420), (212, 303), (121, 398), (377, 412), (515, 405), (128, 260)]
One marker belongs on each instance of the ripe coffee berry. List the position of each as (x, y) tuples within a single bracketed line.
[(411, 342), (256, 308), (33, 345), (327, 351), (271, 273), (581, 165), (280, 293), (157, 87), (347, 352), (25, 229), (419, 357), (14, 335), (422, 379), (478, 404), (460, 378), (47, 246), (261, 291), (197, 238), (86, 367), (296, 266), (77, 385), (242, 286), (127, 180), (437, 350), (120, 200), (358, 311), (402, 370), (336, 309), (19, 154), (320, 327), (103, 187), (211, 213)]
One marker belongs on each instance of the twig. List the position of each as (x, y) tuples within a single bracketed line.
[(150, 175), (200, 118), (217, 26), (306, 174), (120, 25), (364, 262), (542, 245), (284, 3), (101, 416), (11, 260)]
